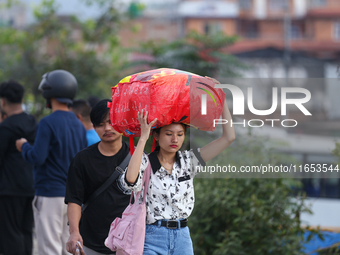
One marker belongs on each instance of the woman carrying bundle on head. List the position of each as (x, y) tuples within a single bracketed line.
[(170, 195)]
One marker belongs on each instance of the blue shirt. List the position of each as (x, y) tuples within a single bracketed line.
[(92, 137), (59, 137)]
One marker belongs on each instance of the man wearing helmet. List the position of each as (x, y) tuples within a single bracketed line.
[(60, 136)]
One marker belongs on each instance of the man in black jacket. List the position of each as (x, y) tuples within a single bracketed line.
[(16, 175)]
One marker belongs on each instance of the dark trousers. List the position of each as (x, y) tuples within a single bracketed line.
[(16, 223)]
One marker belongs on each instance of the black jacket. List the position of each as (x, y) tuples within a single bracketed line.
[(16, 175)]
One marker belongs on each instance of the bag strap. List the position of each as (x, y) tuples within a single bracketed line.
[(118, 171), (146, 179), (147, 176)]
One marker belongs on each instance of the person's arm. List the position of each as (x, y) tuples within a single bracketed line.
[(74, 215), (19, 143), (38, 153), (136, 159), (74, 198), (214, 148)]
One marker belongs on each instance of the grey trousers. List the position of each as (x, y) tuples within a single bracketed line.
[(50, 217)]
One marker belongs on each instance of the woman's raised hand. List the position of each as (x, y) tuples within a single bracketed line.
[(145, 127), (136, 158)]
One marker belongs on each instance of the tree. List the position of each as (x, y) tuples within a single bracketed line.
[(196, 53), (247, 215), (56, 42)]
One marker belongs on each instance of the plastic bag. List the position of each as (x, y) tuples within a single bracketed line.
[(169, 95)]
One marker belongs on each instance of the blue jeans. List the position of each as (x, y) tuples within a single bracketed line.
[(163, 241)]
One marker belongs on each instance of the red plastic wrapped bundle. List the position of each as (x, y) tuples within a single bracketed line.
[(169, 95)]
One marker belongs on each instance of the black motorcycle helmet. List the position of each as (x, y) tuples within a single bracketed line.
[(59, 84)]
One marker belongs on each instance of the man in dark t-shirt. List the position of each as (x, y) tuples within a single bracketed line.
[(16, 175), (89, 169)]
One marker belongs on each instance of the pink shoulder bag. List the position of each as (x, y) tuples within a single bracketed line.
[(127, 234)]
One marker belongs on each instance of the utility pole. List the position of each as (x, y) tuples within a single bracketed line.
[(287, 38), (180, 20), (287, 48)]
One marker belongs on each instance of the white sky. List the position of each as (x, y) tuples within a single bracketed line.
[(76, 7), (79, 8)]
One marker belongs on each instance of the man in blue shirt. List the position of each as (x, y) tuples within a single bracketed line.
[(82, 109), (59, 137)]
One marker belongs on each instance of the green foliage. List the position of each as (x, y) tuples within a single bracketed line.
[(247, 215), (88, 49), (8, 3), (135, 10), (195, 53), (334, 250)]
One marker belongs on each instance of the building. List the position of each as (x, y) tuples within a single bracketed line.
[(310, 26), (15, 16)]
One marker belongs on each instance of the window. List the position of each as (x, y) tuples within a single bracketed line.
[(316, 187), (317, 3), (11, 22), (296, 31), (278, 5), (245, 4), (211, 28), (248, 29), (251, 30), (336, 30)]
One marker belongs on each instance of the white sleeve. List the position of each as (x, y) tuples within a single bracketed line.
[(137, 186), (196, 161)]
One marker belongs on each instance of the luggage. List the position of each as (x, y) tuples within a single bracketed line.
[(169, 95)]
